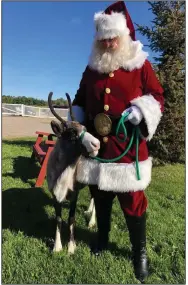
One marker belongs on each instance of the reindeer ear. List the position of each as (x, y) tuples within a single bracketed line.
[(56, 128)]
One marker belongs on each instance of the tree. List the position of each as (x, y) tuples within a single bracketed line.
[(32, 101), (167, 38)]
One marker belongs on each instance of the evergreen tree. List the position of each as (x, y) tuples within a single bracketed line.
[(167, 38)]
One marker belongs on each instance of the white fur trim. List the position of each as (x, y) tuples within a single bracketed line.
[(87, 171), (78, 114), (138, 56), (116, 177), (151, 111), (110, 26)]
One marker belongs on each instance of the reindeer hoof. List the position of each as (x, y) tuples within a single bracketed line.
[(71, 247), (57, 247), (91, 225)]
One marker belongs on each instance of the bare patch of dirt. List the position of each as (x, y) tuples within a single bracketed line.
[(16, 127)]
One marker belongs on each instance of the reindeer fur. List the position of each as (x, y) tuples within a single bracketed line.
[(61, 172)]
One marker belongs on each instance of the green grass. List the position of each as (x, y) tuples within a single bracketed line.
[(29, 227)]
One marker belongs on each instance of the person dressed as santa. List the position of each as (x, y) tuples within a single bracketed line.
[(119, 82)]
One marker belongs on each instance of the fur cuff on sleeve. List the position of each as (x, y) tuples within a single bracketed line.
[(151, 111)]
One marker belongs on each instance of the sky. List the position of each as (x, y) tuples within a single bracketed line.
[(46, 45)]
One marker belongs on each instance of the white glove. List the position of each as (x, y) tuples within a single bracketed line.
[(91, 143), (135, 115)]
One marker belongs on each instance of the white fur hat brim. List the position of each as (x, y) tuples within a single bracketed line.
[(110, 26)]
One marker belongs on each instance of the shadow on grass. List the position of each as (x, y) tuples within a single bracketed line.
[(24, 210), (24, 168)]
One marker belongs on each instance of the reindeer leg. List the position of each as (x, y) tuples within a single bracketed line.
[(71, 221), (92, 221), (58, 209), (90, 209)]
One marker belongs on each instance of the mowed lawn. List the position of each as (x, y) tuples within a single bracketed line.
[(29, 228)]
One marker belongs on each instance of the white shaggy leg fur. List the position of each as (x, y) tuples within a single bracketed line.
[(92, 221), (91, 211), (71, 244), (91, 205), (58, 244), (64, 183), (71, 247)]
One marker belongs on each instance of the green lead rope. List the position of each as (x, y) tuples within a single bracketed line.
[(121, 126)]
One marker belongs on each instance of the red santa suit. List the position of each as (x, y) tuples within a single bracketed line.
[(129, 80), (133, 83)]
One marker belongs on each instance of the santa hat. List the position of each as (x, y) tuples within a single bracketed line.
[(114, 21)]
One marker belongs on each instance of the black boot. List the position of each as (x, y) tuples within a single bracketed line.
[(102, 243), (137, 232), (103, 204)]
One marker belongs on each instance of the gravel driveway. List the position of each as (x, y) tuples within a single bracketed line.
[(16, 127)]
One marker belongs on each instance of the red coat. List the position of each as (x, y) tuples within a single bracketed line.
[(111, 94)]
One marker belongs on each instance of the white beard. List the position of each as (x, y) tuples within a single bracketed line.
[(128, 55)]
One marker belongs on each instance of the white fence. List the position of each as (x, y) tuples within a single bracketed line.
[(30, 111)]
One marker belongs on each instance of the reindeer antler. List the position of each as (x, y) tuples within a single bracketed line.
[(53, 111), (70, 107)]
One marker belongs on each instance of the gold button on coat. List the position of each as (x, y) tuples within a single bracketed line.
[(106, 107), (107, 90), (105, 139), (111, 74)]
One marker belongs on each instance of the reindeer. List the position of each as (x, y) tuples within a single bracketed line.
[(61, 170)]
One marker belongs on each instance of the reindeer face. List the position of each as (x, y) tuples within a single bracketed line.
[(77, 127), (69, 130)]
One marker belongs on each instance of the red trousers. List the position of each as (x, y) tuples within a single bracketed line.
[(132, 203)]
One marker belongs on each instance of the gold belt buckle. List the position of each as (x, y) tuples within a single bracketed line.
[(103, 124)]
